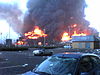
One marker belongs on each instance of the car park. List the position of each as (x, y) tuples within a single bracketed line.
[(42, 52), (68, 64)]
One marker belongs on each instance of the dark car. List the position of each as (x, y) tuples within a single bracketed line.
[(68, 64)]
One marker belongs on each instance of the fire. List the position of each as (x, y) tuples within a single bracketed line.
[(20, 43), (65, 37), (39, 43), (35, 34), (75, 25), (81, 34)]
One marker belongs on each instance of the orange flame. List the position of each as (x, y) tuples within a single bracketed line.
[(39, 43), (20, 43), (65, 37), (81, 34), (35, 34), (75, 25)]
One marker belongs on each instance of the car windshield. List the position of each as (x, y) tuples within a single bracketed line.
[(57, 65)]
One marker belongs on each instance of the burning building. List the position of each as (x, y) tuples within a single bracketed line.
[(56, 17), (33, 37), (35, 34)]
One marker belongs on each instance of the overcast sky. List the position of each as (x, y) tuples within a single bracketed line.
[(4, 25), (93, 13)]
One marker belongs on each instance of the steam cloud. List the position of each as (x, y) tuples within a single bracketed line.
[(56, 16)]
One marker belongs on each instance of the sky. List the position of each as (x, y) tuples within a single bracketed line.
[(5, 32), (92, 13), (4, 25), (21, 3)]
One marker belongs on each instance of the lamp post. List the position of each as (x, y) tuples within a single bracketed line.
[(9, 31), (9, 41), (1, 37), (69, 30), (44, 38)]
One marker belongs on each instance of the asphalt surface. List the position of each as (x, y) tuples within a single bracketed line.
[(18, 62)]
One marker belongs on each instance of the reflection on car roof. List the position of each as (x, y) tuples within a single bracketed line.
[(73, 54)]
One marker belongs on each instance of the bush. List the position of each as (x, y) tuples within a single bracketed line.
[(13, 48)]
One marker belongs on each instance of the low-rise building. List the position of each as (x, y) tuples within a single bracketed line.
[(88, 42)]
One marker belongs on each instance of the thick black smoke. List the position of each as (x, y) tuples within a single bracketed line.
[(56, 16), (11, 13)]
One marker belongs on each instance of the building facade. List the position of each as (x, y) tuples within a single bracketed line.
[(85, 42)]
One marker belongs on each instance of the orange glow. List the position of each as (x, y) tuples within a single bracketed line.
[(20, 43), (35, 34), (65, 37), (74, 25), (81, 34), (39, 43)]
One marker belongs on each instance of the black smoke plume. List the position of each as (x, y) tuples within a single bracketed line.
[(12, 14), (56, 16)]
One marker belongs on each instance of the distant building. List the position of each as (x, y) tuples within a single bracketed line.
[(8, 42), (88, 42)]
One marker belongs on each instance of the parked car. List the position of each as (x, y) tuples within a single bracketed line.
[(68, 64), (42, 52), (97, 51), (67, 47)]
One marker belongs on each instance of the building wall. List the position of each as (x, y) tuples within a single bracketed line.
[(81, 45), (97, 45), (75, 45), (92, 45)]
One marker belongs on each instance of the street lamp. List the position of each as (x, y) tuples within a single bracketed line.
[(1, 37), (9, 31), (44, 38), (69, 29)]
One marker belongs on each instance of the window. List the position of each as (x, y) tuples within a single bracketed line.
[(95, 61), (57, 65), (86, 65), (87, 45)]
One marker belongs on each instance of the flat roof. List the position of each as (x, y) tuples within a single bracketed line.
[(85, 38)]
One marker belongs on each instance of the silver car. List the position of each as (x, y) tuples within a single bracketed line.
[(42, 52)]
